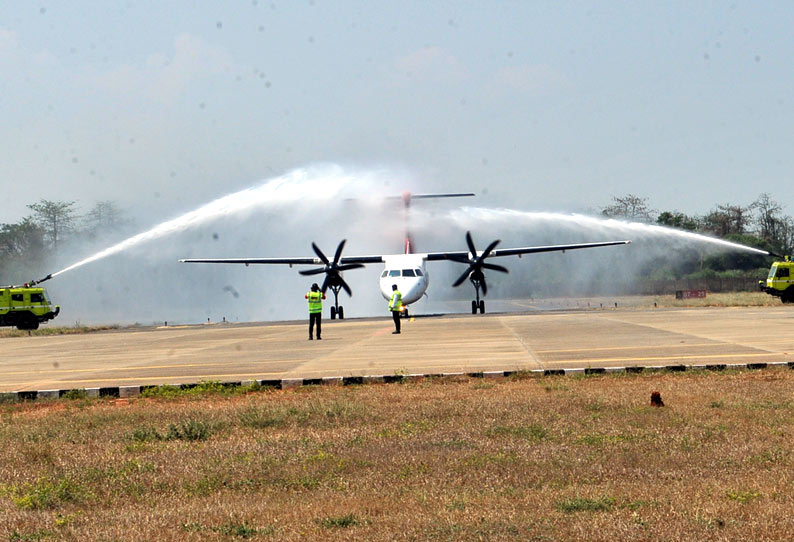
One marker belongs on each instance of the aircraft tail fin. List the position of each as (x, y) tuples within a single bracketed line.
[(407, 197)]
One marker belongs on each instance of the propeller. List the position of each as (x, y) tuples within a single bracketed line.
[(332, 268), (477, 263)]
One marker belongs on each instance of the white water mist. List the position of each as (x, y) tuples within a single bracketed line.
[(301, 185), (583, 223)]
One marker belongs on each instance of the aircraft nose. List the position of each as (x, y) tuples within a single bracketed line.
[(413, 290)]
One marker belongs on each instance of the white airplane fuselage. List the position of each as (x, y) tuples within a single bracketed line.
[(408, 272)]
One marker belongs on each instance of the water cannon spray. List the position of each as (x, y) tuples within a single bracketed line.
[(35, 282), (779, 256)]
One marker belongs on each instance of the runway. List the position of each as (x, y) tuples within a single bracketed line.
[(439, 344)]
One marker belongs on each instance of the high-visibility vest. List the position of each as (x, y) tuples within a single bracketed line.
[(396, 301), (315, 302)]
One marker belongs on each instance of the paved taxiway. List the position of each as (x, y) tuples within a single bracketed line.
[(441, 344)]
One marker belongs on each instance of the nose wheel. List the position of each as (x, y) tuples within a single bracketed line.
[(337, 311)]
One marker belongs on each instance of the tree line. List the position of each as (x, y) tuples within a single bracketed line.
[(35, 241)]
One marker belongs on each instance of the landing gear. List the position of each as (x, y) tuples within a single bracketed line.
[(336, 310), (477, 304), (404, 313)]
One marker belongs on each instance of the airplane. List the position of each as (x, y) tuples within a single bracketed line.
[(407, 270)]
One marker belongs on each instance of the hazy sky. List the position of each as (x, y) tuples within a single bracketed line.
[(163, 106)]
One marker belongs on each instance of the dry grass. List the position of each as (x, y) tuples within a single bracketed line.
[(73, 330), (554, 458), (728, 299)]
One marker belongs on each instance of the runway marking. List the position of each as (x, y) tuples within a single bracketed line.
[(520, 339)]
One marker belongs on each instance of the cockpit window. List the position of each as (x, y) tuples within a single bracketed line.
[(385, 272), (419, 273), (408, 273), (394, 273)]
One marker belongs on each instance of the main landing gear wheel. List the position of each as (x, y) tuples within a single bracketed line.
[(478, 305)]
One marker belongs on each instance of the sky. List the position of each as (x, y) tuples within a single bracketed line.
[(163, 107)]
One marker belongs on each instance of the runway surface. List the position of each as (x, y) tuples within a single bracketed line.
[(441, 344)]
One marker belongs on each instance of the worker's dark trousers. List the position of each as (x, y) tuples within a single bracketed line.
[(396, 316), (315, 318)]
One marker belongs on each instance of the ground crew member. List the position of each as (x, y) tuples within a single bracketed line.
[(395, 306), (315, 297)]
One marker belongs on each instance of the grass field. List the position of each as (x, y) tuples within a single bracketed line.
[(526, 458)]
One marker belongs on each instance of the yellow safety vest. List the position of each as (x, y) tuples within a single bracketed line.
[(315, 302), (396, 301)]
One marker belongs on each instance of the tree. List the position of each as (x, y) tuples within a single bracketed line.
[(104, 217), (22, 248), (23, 239), (55, 217), (678, 220), (785, 236), (629, 206), (727, 219), (768, 219)]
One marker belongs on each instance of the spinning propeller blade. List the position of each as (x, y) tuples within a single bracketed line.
[(332, 268), (477, 264)]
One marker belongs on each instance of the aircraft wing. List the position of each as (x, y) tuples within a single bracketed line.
[(285, 261), (432, 256)]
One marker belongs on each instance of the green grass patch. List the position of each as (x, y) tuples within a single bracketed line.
[(201, 389), (743, 497), (45, 493), (35, 536)]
